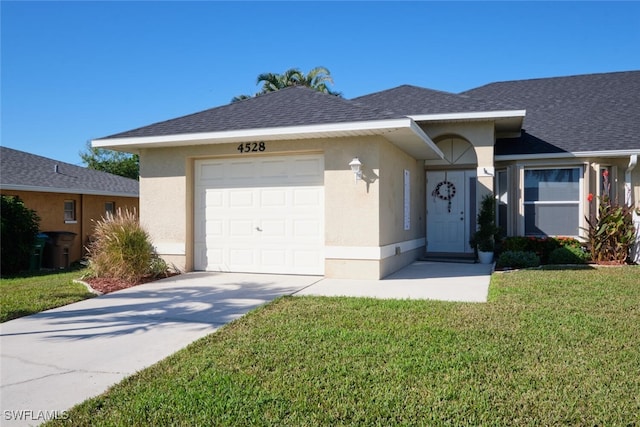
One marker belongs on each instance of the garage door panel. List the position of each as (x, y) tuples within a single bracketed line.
[(306, 228), (272, 229), (241, 257), (214, 228), (214, 198), (273, 198), (240, 171), (240, 228), (241, 199), (260, 215), (273, 169), (309, 168), (308, 197)]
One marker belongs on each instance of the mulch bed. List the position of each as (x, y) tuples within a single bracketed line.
[(106, 285)]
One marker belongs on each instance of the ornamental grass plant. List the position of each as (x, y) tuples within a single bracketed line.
[(121, 248)]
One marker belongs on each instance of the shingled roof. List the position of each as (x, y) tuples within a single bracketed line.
[(413, 100), (584, 113), (29, 172), (293, 106)]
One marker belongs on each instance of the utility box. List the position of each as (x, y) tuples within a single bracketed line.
[(57, 250)]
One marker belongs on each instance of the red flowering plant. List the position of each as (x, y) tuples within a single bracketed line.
[(610, 235)]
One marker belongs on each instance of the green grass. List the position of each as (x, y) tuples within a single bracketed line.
[(21, 296), (552, 347)]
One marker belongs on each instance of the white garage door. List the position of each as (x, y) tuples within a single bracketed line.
[(260, 215)]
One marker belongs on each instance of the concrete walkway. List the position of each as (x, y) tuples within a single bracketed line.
[(421, 280), (56, 359)]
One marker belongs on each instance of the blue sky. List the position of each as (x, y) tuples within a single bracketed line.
[(75, 71)]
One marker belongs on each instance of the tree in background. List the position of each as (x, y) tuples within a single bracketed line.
[(19, 228), (317, 79), (115, 162)]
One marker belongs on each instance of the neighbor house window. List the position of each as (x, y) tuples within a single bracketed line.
[(552, 202), (110, 207), (69, 210)]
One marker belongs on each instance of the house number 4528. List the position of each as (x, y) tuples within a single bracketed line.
[(249, 147)]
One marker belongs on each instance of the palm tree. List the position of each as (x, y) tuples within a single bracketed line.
[(316, 79)]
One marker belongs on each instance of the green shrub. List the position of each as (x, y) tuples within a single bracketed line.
[(568, 255), (611, 235), (121, 248), (518, 259), (515, 243), (19, 227), (542, 246)]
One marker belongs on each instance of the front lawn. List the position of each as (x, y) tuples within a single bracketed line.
[(552, 347), (21, 296)]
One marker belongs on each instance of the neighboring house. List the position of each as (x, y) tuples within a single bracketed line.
[(67, 198), (265, 184)]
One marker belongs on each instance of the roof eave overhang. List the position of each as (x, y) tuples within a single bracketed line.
[(402, 132), (568, 155), (42, 189), (471, 115), (504, 121)]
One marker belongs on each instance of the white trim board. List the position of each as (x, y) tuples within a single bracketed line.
[(376, 253)]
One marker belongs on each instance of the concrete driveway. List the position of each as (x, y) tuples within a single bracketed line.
[(56, 359)]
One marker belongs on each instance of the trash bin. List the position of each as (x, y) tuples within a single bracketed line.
[(57, 250), (35, 261)]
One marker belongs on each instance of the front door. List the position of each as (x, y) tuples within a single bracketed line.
[(450, 216)]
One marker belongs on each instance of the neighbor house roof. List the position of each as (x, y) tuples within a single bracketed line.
[(28, 172), (588, 113)]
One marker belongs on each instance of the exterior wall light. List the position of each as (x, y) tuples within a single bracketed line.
[(355, 168)]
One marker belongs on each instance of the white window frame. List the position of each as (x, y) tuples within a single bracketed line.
[(579, 202), (113, 208), (71, 218)]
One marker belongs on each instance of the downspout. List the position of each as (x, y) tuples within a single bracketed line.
[(628, 191), (628, 198)]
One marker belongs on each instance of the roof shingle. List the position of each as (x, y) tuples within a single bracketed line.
[(293, 106), (412, 100), (592, 112), (20, 169)]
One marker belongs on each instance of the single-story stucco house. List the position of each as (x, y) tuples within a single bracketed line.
[(266, 184), (67, 198)]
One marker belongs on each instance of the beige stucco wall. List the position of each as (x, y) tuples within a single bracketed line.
[(360, 217)]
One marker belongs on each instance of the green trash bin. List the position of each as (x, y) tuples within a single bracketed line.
[(35, 261)]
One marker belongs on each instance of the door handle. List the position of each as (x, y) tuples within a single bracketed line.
[(258, 229)]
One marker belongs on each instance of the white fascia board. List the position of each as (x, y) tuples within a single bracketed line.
[(474, 115), (418, 131), (253, 134), (574, 155), (40, 189)]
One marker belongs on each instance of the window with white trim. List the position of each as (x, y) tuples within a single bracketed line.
[(69, 210), (552, 201), (110, 208)]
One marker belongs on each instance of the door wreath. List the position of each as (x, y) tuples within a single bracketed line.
[(445, 190)]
